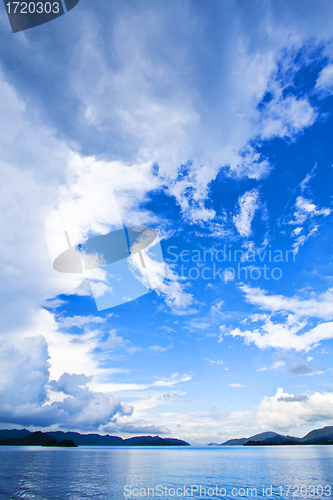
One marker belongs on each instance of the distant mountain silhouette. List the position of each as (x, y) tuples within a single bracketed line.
[(98, 440), (13, 434), (313, 436), (88, 439), (36, 439), (318, 436), (58, 438), (234, 442), (256, 437)]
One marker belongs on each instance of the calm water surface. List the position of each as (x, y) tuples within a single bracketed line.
[(119, 473)]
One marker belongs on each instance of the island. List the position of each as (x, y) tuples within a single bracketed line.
[(36, 439), (323, 436), (23, 437)]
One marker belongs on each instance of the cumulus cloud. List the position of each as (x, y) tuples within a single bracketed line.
[(25, 392), (84, 408), (24, 372), (285, 117), (284, 410)]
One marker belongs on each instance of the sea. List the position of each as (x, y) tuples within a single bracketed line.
[(234, 472)]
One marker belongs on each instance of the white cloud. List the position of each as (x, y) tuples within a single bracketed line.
[(167, 116), (212, 362), (69, 352), (142, 429), (200, 425), (237, 386), (84, 408), (257, 317), (284, 335), (167, 124), (216, 308), (304, 185), (290, 332), (79, 321), (300, 367), (277, 364), (9, 270), (325, 79), (31, 178), (248, 204), (305, 215), (284, 410), (158, 348), (285, 117), (173, 380), (135, 388), (199, 324), (114, 341), (306, 208), (24, 391), (317, 307), (160, 277)]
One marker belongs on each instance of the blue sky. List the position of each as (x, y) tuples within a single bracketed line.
[(212, 123)]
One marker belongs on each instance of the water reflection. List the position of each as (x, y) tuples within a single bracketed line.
[(102, 472)]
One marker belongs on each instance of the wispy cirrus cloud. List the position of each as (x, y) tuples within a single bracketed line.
[(212, 362), (305, 214), (283, 335), (274, 366), (248, 204), (287, 327), (320, 306), (158, 348)]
